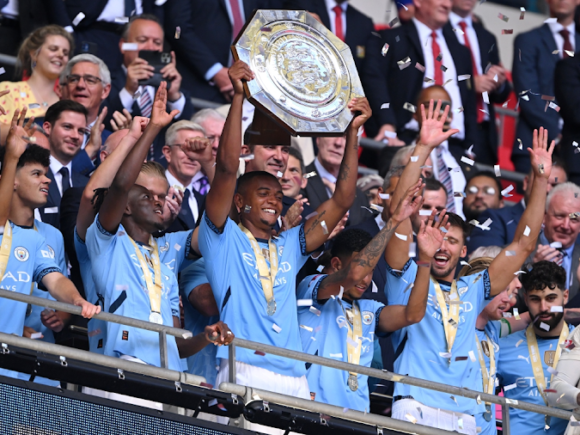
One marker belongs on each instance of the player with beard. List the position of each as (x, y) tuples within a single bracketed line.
[(436, 347), (528, 358)]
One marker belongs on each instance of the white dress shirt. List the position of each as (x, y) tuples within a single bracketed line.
[(323, 173), (330, 4), (455, 19), (11, 9), (457, 177), (56, 166), (116, 9), (556, 28), (192, 201), (452, 87), (380, 222)]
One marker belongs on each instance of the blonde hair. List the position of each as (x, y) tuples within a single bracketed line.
[(153, 169), (33, 43)]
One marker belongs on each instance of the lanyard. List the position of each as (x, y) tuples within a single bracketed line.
[(267, 275), (488, 376), (536, 360), (154, 289), (5, 249), (353, 341), (450, 317)]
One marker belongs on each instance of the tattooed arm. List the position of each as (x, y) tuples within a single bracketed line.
[(318, 229), (429, 240), (365, 261)]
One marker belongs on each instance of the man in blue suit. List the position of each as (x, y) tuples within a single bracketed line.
[(535, 56), (505, 220)]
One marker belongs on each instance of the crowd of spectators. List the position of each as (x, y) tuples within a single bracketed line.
[(117, 195)]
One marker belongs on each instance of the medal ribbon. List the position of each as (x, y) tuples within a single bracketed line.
[(355, 333), (488, 376), (154, 289), (267, 275), (446, 315), (536, 361), (5, 249)]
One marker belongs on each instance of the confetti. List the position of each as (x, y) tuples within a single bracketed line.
[(412, 250), (385, 49), (485, 97), (377, 208), (177, 247), (569, 53), (445, 354), (177, 32), (393, 22), (129, 46), (554, 106), (459, 194), (411, 418), (467, 160), (304, 302), (507, 31), (310, 174), (314, 311), (259, 352), (414, 159), (2, 70), (556, 309), (36, 335), (80, 16), (428, 80), (320, 268), (464, 263), (510, 387), (454, 399), (420, 67), (384, 195), (122, 20), (424, 212), (517, 314), (324, 227), (385, 106), (503, 17), (279, 174), (497, 170), (401, 236), (472, 356), (460, 358), (276, 328), (519, 342), (522, 12), (463, 77), (308, 328), (212, 402), (507, 190), (352, 342), (456, 30), (409, 107), (34, 106), (511, 401), (404, 63), (527, 231), (544, 326), (506, 315), (336, 355), (375, 288), (247, 208), (510, 253), (210, 386), (341, 292)]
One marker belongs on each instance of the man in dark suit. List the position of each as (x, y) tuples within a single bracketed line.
[(535, 56), (489, 75), (505, 220), (126, 93), (326, 167), (65, 123), (97, 24), (419, 54), (567, 93), (208, 29)]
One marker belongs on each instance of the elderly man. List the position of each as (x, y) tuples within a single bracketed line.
[(557, 242)]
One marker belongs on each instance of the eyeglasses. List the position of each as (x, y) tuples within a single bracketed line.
[(488, 190), (90, 80)]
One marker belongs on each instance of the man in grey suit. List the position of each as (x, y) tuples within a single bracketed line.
[(557, 242)]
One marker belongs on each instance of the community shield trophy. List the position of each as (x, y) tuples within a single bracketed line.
[(304, 75)]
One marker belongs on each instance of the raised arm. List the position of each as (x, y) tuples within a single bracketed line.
[(219, 199), (429, 240), (106, 171), (318, 228), (511, 258), (116, 200), (430, 137), (366, 260), (15, 146)]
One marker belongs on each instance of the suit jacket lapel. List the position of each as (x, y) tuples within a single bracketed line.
[(548, 40), (323, 13), (53, 193), (413, 36)]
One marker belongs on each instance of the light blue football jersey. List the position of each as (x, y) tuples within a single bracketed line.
[(492, 329), (325, 335), (515, 372), (125, 292), (232, 272), (424, 350)]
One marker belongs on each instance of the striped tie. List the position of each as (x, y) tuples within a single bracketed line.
[(145, 103), (445, 179), (559, 260)]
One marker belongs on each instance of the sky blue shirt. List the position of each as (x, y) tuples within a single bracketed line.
[(203, 363), (514, 368), (325, 335), (492, 329), (425, 341), (125, 292), (30, 260), (232, 272)]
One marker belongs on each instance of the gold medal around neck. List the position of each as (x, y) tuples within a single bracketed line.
[(352, 382)]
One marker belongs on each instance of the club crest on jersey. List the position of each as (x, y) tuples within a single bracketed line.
[(367, 317), (549, 357), (21, 253)]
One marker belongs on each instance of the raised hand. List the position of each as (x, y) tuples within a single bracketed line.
[(172, 206), (159, 115), (430, 235), (121, 120), (432, 132), (137, 126), (410, 203), (17, 140), (359, 105), (540, 154), (198, 148), (96, 139), (238, 72)]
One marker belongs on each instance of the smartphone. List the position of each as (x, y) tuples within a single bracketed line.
[(158, 60)]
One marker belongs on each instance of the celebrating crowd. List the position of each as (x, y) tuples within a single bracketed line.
[(116, 195)]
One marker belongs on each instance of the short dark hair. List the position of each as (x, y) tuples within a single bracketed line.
[(148, 17), (457, 221), (487, 174), (53, 113), (349, 241), (32, 154), (434, 185), (544, 274), (248, 177), (297, 154)]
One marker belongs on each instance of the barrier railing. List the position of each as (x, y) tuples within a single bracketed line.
[(165, 373)]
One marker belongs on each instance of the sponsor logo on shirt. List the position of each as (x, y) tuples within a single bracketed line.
[(21, 253), (49, 253)]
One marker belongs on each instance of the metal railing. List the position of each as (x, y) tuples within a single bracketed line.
[(164, 373)]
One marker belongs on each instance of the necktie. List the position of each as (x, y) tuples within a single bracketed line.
[(186, 214), (65, 179), (203, 185), (559, 260), (436, 59), (479, 98), (567, 44), (338, 30), (445, 179), (238, 22), (129, 7), (145, 103)]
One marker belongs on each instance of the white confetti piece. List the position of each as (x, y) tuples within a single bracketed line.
[(463, 77), (552, 371), (177, 247), (472, 356), (279, 174), (517, 314), (459, 194), (507, 190), (511, 401), (519, 342), (424, 212), (324, 227), (122, 20), (304, 302), (510, 253), (404, 63), (459, 109), (527, 231), (445, 354), (276, 328), (412, 250), (212, 402), (129, 46), (409, 107), (554, 106), (456, 30), (308, 328), (377, 208), (385, 105), (497, 170), (2, 70), (320, 268), (414, 159), (522, 12), (385, 49), (510, 387), (467, 160), (80, 16), (341, 292), (401, 236), (485, 97), (375, 288), (544, 326), (336, 355), (411, 418), (177, 32), (352, 342), (556, 309), (384, 195), (314, 310), (36, 335)]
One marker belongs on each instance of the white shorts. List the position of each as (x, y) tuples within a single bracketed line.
[(409, 409), (257, 377)]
